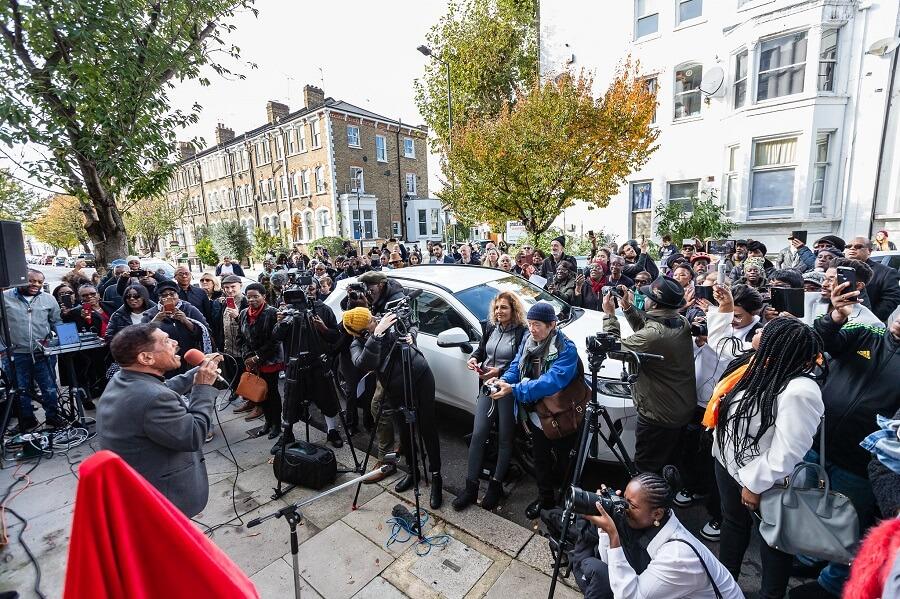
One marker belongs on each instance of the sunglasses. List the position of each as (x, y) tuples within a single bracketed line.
[(856, 246), (206, 281), (88, 294), (128, 297)]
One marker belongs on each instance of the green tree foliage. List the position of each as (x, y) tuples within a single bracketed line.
[(154, 218), (576, 245), (556, 144), (265, 243), (230, 239), (492, 49), (705, 220), (332, 244), (16, 202), (61, 224), (206, 252), (86, 84)]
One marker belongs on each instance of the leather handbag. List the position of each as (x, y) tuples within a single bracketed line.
[(561, 413), (813, 521), (252, 387)]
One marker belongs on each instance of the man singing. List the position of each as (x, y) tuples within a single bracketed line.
[(152, 423)]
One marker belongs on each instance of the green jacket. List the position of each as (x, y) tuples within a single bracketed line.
[(666, 390)]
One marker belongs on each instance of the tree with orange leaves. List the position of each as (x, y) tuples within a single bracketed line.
[(554, 145), (61, 225)]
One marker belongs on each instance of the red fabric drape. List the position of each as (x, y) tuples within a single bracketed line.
[(128, 540)]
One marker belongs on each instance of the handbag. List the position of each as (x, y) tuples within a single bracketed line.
[(813, 521), (709, 577), (561, 413), (252, 387)]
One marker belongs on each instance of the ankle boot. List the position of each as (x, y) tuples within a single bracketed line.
[(405, 484), (437, 490), (492, 497), (467, 497)]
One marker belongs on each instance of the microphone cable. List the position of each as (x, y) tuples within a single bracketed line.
[(403, 528)]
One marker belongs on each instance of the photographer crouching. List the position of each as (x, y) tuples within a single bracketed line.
[(641, 549), (308, 329), (377, 349)]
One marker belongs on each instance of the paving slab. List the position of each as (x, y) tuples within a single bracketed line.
[(218, 467), (44, 497), (338, 562), (219, 507), (536, 554), (370, 520), (521, 581), (452, 570), (276, 581), (53, 572), (379, 588), (332, 508)]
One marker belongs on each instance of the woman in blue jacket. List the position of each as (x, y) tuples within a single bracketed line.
[(547, 361)]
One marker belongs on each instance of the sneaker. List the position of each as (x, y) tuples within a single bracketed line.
[(684, 499), (334, 438), (210, 435), (711, 532)]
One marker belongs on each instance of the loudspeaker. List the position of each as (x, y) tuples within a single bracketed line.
[(13, 267)]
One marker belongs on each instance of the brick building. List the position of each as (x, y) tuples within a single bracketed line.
[(329, 168)]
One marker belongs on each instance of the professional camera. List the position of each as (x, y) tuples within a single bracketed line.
[(358, 291), (490, 389), (585, 502), (611, 290), (295, 296), (402, 308), (603, 343)]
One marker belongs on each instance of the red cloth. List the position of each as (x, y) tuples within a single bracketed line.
[(130, 541), (874, 561)]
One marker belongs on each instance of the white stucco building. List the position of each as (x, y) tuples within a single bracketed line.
[(794, 138)]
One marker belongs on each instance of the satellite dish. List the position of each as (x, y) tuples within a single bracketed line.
[(884, 46), (713, 82)]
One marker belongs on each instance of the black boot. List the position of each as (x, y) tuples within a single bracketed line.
[(492, 497), (467, 497), (405, 484), (533, 511), (437, 490), (286, 438)]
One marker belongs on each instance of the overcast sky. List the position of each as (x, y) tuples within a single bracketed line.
[(359, 51)]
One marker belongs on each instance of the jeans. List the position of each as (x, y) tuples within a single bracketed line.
[(40, 370), (859, 490), (503, 411), (655, 445), (592, 577), (737, 524), (543, 461)]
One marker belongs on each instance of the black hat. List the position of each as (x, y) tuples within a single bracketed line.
[(833, 240), (561, 239), (167, 284), (665, 291), (757, 245)]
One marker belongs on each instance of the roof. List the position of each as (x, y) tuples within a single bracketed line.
[(453, 277), (329, 103)]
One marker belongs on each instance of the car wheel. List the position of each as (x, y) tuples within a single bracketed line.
[(523, 451)]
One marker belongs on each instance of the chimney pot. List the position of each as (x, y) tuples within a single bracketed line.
[(223, 134), (313, 96), (186, 150)]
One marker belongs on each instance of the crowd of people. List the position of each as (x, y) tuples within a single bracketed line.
[(735, 404)]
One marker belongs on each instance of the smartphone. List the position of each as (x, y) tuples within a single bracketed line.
[(66, 301), (706, 293), (720, 247), (801, 235), (845, 274), (479, 369), (169, 307), (590, 233), (229, 301), (785, 299)]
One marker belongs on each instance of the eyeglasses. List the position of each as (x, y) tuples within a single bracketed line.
[(88, 294), (856, 246)]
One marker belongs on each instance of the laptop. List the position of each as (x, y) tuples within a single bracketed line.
[(68, 333)]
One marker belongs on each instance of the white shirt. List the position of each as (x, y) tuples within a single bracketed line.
[(226, 269), (707, 372), (860, 314), (137, 317), (674, 569)]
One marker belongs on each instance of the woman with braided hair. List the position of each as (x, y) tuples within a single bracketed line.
[(644, 551), (765, 409)]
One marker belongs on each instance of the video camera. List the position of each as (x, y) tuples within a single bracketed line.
[(603, 343), (295, 296), (402, 308), (585, 503), (358, 291)]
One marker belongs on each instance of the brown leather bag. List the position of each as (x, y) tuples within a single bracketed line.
[(561, 413), (252, 387)]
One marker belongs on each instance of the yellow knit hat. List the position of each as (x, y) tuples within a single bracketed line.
[(356, 320)]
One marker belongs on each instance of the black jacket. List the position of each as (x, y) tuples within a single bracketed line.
[(393, 291), (382, 355), (297, 340), (121, 318), (257, 339), (861, 383), (588, 299), (548, 268), (883, 290), (186, 338), (643, 262), (197, 298)]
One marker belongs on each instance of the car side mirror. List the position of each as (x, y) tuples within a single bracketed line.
[(455, 337)]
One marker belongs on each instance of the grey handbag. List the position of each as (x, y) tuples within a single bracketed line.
[(813, 521)]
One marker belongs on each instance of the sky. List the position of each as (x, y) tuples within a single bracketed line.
[(359, 51)]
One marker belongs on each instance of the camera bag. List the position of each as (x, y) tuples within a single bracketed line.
[(306, 464), (561, 413)]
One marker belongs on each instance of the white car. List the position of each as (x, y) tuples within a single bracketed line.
[(455, 299)]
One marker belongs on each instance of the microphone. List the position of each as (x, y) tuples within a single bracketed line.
[(195, 357)]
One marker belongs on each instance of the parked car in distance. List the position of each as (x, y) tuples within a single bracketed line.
[(59, 261), (47, 260), (88, 258), (155, 264), (455, 299)]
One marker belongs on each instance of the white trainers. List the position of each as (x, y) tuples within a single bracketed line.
[(684, 499), (710, 531)]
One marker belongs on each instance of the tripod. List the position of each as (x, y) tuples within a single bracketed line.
[(590, 431), (292, 515)]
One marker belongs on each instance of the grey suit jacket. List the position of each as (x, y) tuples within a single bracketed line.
[(160, 433)]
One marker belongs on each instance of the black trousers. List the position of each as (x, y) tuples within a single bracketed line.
[(546, 471), (737, 525), (592, 577), (272, 406), (426, 421), (655, 445), (696, 464)]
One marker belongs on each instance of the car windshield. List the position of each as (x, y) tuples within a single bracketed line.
[(477, 299)]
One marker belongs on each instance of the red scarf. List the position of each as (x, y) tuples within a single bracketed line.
[(252, 314)]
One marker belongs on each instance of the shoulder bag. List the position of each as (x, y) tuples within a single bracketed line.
[(813, 521), (712, 582), (561, 413), (252, 388)]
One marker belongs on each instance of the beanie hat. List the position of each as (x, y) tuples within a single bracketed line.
[(755, 262), (814, 277), (561, 239), (542, 311), (834, 240), (356, 320)]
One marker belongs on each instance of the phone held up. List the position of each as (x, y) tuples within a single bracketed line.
[(846, 274), (169, 306), (229, 302)]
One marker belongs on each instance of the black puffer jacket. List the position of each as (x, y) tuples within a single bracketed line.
[(861, 383), (382, 355), (121, 318)]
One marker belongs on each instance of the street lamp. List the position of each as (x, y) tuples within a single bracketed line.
[(426, 51)]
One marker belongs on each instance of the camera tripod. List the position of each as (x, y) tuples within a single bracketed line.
[(409, 412), (589, 434)]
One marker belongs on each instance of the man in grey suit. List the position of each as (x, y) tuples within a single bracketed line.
[(158, 426)]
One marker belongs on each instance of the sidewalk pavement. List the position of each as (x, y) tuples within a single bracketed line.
[(343, 553)]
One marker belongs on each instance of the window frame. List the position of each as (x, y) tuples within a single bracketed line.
[(301, 138), (359, 219), (834, 62), (316, 133), (732, 174), (651, 84), (679, 21), (773, 211), (638, 17), (357, 174), (305, 186), (745, 80), (379, 157), (820, 183), (412, 145), (684, 93), (350, 143), (760, 72), (320, 179), (682, 199), (423, 222), (414, 191)]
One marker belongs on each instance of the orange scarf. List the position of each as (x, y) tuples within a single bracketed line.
[(723, 388)]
